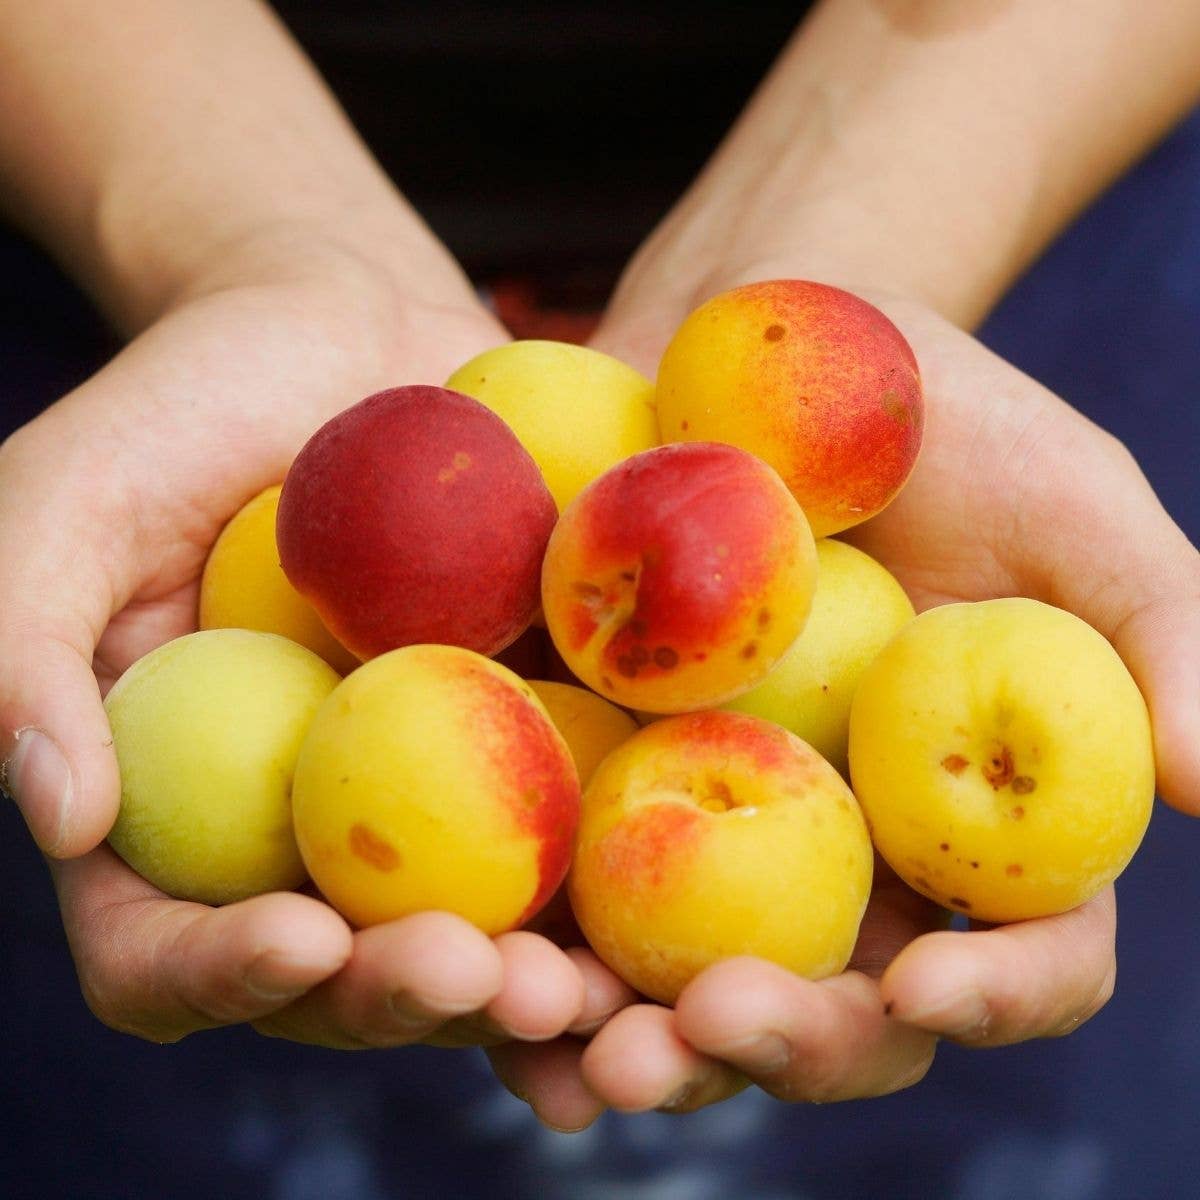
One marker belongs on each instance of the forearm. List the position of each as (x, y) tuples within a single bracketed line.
[(934, 147), (157, 146)]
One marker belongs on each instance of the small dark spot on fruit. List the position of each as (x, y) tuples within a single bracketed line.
[(640, 655), (959, 902), (955, 763), (887, 1008), (665, 657), (344, 779), (606, 683), (998, 767), (773, 333), (974, 864), (824, 687), (944, 846), (923, 883), (629, 576), (626, 666), (699, 656), (1016, 812), (366, 844), (1022, 785), (764, 618), (683, 425), (750, 649), (1014, 870), (587, 591), (638, 627)]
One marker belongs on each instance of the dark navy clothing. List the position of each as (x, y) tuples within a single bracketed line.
[(1110, 319)]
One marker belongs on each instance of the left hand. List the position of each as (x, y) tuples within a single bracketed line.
[(1009, 479)]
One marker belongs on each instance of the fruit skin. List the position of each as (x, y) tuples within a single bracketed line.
[(416, 516), (716, 834), (591, 727), (1001, 752), (679, 577), (814, 380), (576, 410), (857, 608), (206, 730), (244, 587), (433, 778)]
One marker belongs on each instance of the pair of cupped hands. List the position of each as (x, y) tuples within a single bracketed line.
[(112, 497)]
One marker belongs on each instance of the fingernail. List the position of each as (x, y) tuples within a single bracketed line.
[(955, 1015), (36, 776), (677, 1099), (762, 1054)]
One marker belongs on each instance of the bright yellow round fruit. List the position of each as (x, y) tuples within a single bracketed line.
[(856, 609), (206, 730), (244, 587), (591, 727), (1002, 754), (576, 410), (433, 778)]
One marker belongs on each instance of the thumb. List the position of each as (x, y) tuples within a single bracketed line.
[(1135, 576), (56, 756)]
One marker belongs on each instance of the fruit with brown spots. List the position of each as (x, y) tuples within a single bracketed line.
[(434, 778), (679, 577), (811, 378), (1010, 732)]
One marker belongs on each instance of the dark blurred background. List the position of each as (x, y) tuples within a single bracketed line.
[(542, 149)]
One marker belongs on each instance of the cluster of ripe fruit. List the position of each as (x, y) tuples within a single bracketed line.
[(597, 628)]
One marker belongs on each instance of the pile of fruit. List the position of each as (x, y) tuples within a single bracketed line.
[(554, 621)]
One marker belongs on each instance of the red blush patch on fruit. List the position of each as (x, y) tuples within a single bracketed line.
[(639, 851)]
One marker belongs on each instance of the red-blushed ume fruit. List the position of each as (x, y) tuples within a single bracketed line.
[(679, 577), (416, 516)]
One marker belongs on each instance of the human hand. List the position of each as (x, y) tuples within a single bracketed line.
[(990, 510), (111, 500)]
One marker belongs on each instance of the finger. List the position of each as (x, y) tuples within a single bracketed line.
[(1039, 978), (162, 968), (638, 1061), (403, 980), (547, 1076), (605, 992), (56, 758), (799, 1039), (1136, 578)]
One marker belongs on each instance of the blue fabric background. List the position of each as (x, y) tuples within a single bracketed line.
[(1111, 319)]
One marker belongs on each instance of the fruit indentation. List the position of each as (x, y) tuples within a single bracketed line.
[(998, 768)]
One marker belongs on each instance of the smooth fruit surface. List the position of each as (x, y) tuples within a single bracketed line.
[(576, 410), (591, 727), (857, 608), (814, 380), (416, 516), (433, 778), (1001, 752), (244, 587), (206, 730), (679, 577), (716, 834)]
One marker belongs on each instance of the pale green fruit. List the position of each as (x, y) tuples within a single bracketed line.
[(207, 729), (857, 608)]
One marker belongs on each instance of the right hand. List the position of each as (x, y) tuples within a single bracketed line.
[(111, 499)]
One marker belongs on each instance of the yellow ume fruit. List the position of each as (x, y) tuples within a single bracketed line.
[(577, 411), (244, 587), (206, 730), (433, 778), (591, 727), (1002, 754), (856, 609)]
